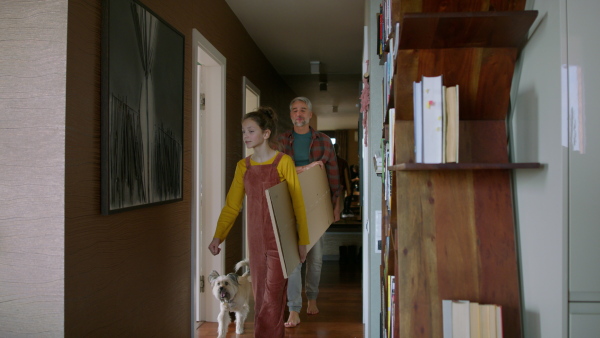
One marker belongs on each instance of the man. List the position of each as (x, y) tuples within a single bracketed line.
[(345, 195), (308, 148)]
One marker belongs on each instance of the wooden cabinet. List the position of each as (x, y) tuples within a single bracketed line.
[(450, 231)]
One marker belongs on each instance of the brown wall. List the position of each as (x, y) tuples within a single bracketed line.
[(347, 146), (353, 148), (129, 274)]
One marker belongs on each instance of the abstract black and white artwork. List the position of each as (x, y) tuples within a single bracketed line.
[(142, 108)]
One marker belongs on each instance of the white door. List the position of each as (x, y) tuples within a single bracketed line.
[(208, 168)]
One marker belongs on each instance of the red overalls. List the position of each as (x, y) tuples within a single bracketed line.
[(268, 284)]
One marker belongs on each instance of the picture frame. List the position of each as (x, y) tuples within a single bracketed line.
[(142, 81)]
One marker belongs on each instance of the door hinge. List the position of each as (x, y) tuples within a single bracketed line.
[(202, 101), (202, 284)]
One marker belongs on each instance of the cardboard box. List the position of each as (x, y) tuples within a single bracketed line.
[(319, 214)]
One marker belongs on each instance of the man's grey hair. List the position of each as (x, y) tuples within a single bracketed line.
[(303, 99)]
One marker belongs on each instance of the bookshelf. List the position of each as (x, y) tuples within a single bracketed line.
[(449, 231)]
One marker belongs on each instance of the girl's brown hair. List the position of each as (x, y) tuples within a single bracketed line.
[(266, 118)]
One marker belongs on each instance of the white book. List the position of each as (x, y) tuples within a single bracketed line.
[(391, 131), (447, 318), (461, 319), (396, 40), (433, 136), (499, 327), (418, 121)]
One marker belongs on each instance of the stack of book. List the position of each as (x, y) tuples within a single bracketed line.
[(436, 121), (391, 311), (465, 319)]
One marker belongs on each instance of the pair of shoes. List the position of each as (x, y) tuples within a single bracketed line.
[(346, 215)]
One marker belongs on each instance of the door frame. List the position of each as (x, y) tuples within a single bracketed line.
[(208, 142), (251, 101)]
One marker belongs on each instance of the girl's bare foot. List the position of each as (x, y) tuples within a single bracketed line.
[(293, 319), (312, 309)]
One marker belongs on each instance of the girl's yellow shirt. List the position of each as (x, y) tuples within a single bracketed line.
[(235, 197)]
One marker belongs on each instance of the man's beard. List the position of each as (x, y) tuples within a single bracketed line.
[(300, 123)]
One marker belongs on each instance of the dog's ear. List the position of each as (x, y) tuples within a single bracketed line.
[(213, 276), (234, 278)]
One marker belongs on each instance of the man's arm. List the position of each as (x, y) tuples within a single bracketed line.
[(304, 168), (333, 176)]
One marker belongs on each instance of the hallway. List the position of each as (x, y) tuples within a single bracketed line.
[(340, 307)]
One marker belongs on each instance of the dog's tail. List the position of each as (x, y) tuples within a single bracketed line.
[(241, 264)]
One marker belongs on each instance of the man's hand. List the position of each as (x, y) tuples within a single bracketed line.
[(304, 168), (336, 210)]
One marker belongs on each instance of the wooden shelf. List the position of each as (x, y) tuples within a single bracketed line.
[(465, 29), (462, 166), (450, 227)]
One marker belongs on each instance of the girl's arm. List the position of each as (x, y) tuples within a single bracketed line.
[(233, 205)]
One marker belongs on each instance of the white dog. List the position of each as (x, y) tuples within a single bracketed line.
[(233, 292)]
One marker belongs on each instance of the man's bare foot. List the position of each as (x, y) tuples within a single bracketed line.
[(293, 319), (312, 309)]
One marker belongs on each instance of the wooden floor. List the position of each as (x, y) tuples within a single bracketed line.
[(340, 308)]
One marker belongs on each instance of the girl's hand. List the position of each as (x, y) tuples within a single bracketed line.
[(302, 252), (214, 246)]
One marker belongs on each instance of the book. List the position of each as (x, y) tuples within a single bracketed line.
[(433, 137), (487, 320), (466, 319), (447, 318), (444, 124), (461, 319), (499, 328), (474, 319), (418, 120), (391, 304), (392, 127), (393, 286), (452, 123)]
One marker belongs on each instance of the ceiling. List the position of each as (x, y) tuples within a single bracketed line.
[(292, 33)]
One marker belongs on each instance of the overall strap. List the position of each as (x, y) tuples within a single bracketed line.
[(277, 159), (247, 161)]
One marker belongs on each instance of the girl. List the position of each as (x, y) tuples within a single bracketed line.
[(265, 168)]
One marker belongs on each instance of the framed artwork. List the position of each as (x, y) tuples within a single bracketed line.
[(141, 108)]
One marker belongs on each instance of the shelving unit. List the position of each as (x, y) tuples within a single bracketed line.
[(450, 232)]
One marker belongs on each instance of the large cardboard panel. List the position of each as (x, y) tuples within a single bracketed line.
[(319, 214)]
